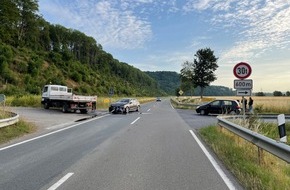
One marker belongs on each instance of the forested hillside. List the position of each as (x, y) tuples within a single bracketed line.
[(167, 81), (34, 52)]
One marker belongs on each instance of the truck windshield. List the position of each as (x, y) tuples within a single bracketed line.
[(45, 89)]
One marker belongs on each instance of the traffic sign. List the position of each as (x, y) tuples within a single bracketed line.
[(244, 92), (243, 84), (242, 70), (180, 92), (111, 91), (2, 97)]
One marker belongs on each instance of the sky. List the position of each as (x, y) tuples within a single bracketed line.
[(160, 35)]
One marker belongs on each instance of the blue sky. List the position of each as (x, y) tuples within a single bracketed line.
[(160, 35)]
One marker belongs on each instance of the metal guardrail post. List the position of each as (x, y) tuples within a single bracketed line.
[(276, 148)]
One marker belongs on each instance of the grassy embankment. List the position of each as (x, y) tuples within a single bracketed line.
[(22, 127), (240, 156)]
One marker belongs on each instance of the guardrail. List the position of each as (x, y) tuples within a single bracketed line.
[(9, 121), (276, 148), (183, 104)]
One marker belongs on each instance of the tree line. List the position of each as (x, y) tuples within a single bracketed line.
[(34, 52)]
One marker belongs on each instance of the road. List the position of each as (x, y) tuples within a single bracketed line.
[(154, 149)]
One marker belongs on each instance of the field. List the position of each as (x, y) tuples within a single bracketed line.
[(262, 104)]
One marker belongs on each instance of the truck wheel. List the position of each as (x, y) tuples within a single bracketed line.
[(84, 111), (65, 108), (46, 105)]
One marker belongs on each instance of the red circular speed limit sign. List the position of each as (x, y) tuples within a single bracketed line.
[(242, 70)]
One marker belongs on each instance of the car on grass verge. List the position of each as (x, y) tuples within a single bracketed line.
[(219, 107), (125, 105)]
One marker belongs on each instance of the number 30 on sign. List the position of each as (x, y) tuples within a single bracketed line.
[(242, 70)]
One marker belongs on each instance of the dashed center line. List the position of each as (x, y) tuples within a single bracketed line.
[(135, 120), (61, 181)]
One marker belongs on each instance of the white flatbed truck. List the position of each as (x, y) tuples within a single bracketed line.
[(62, 97)]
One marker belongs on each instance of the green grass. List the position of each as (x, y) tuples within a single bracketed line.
[(24, 101), (241, 158), (265, 128), (16, 130)]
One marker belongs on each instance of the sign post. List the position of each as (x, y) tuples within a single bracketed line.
[(111, 93), (2, 99), (243, 87)]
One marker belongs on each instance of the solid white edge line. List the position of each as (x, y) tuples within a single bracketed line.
[(214, 163), (47, 134), (135, 120), (61, 181)]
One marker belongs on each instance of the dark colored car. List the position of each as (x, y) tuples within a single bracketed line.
[(219, 107), (125, 106)]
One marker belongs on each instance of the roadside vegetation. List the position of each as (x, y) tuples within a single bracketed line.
[(238, 155), (16, 130), (241, 158), (35, 101)]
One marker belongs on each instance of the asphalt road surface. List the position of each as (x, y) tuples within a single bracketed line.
[(156, 148)]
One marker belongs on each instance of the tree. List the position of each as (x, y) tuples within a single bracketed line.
[(201, 71), (186, 76), (277, 93), (288, 93), (260, 94)]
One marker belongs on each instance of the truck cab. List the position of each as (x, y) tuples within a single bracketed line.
[(49, 90)]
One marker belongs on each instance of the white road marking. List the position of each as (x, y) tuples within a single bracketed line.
[(61, 181), (171, 105), (58, 126), (214, 163), (47, 134), (135, 120), (148, 110), (146, 113)]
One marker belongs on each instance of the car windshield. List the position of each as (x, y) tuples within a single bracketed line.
[(124, 100)]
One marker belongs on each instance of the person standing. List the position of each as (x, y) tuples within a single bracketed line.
[(251, 101), (244, 104)]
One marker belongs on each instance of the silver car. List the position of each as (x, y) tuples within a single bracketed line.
[(125, 105)]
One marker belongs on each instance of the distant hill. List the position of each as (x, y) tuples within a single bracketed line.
[(215, 91), (167, 81)]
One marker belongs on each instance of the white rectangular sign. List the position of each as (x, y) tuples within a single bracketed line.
[(2, 97), (244, 92), (243, 84)]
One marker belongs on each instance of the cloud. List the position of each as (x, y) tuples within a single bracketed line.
[(257, 24), (109, 23), (119, 29)]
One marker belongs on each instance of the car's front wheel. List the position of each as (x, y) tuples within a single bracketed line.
[(203, 112), (126, 110)]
